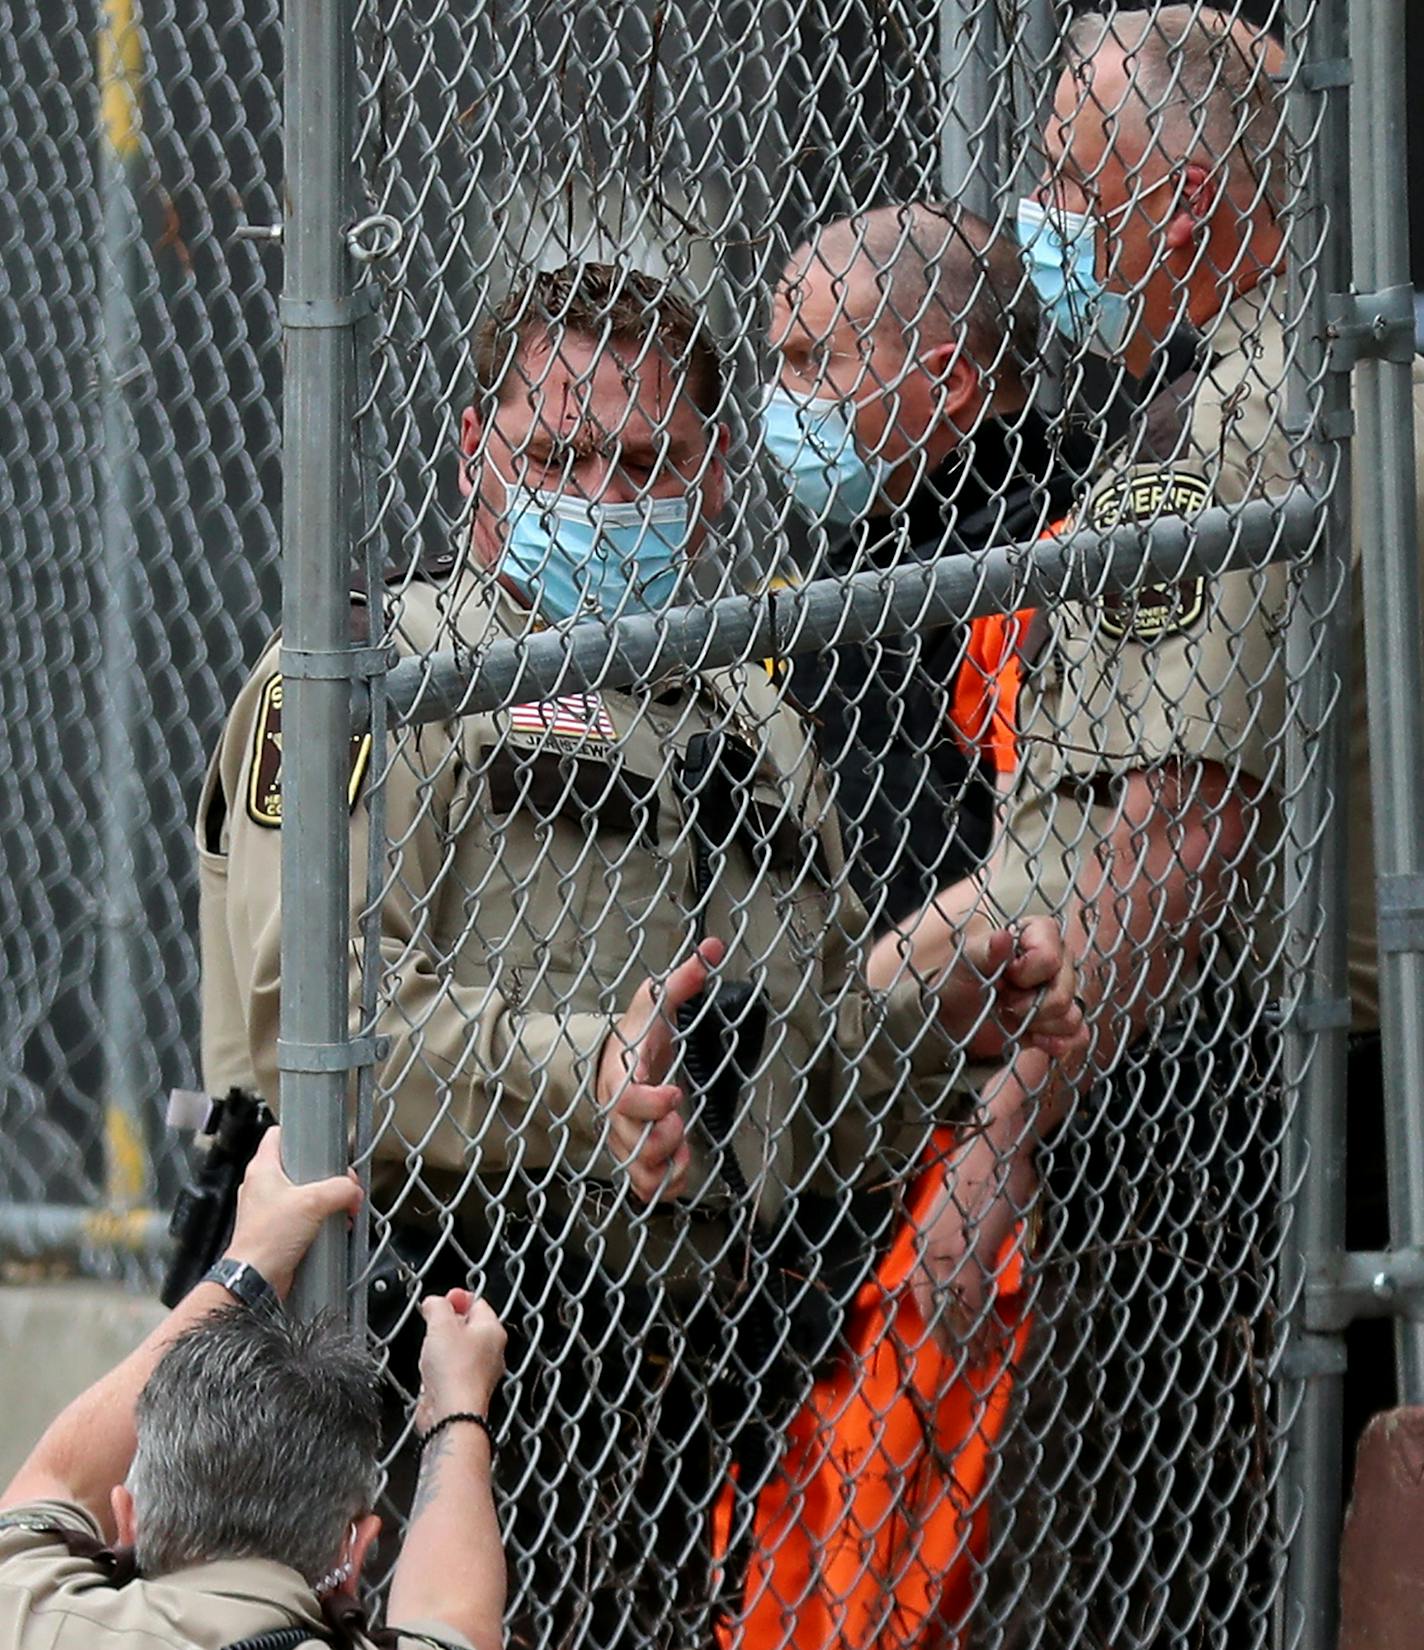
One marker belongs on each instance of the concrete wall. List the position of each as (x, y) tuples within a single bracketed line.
[(55, 1340)]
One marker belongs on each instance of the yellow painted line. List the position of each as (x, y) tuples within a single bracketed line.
[(125, 1159), (780, 581), (118, 1228), (120, 76)]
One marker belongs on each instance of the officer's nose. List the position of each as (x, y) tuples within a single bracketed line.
[(597, 480), (617, 487)]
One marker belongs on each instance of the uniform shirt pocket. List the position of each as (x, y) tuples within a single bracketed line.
[(573, 852)]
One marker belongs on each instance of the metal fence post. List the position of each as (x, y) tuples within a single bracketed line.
[(1389, 531), (1316, 855), (970, 46), (315, 1052), (1033, 59), (126, 1175)]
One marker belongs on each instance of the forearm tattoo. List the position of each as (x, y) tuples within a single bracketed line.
[(427, 1485)]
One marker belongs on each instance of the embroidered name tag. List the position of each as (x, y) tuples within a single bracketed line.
[(576, 717)]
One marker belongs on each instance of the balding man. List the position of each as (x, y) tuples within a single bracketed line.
[(899, 424), (900, 330), (1136, 1508), (900, 428)]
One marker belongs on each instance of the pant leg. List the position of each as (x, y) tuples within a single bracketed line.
[(607, 1473), (1134, 1505), (1370, 1381)]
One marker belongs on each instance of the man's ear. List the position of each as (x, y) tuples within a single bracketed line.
[(122, 1506), (1200, 193), (470, 432), (956, 380), (366, 1528)]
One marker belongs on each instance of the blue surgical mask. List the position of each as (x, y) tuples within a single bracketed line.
[(810, 441), (1062, 249), (577, 557)]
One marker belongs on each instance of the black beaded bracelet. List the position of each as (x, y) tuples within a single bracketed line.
[(481, 1421)]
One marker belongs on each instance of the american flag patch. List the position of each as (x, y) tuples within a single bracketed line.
[(579, 716)]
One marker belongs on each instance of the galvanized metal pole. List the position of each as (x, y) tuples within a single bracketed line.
[(126, 1156), (1385, 491), (1035, 64), (972, 86), (314, 1053), (1318, 664)]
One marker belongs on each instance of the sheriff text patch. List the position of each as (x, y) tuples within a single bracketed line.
[(1155, 610)]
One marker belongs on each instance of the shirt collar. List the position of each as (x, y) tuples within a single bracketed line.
[(254, 1580), (1246, 321)]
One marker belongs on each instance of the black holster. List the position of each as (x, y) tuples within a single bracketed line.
[(206, 1208)]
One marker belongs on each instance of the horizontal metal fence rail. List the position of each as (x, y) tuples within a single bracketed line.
[(732, 630), (50, 1232)]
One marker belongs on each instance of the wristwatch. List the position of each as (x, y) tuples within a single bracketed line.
[(246, 1283)]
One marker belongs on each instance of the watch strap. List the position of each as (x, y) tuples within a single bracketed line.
[(243, 1281)]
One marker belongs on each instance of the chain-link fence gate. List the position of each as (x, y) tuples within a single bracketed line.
[(742, 561)]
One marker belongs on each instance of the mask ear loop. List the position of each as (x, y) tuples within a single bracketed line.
[(1108, 218), (1138, 198)]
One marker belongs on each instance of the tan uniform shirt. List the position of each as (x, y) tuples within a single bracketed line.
[(1194, 670), (541, 867), (51, 1601)]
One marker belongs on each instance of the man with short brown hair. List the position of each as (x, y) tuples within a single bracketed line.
[(574, 891)]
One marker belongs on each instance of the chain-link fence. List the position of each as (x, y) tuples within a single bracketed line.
[(141, 483), (846, 905)]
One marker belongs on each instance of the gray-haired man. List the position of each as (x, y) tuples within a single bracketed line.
[(1135, 1497), (234, 1457)]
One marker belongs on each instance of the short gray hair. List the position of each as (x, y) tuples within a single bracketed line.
[(1215, 67), (945, 274), (258, 1437)]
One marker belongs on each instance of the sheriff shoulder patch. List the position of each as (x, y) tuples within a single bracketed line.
[(1155, 610), (264, 784)]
